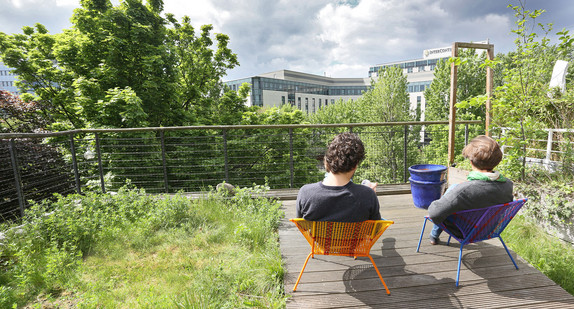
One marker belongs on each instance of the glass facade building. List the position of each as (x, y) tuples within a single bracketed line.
[(7, 79), (307, 92)]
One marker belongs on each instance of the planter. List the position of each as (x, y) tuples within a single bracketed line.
[(428, 172), (425, 192)]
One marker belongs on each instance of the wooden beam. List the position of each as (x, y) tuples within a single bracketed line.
[(452, 110), (475, 45), (489, 89)]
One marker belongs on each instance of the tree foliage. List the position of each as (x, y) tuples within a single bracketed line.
[(386, 101), (522, 104), (19, 116), (127, 59)]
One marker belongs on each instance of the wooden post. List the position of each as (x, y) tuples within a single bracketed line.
[(453, 76), (452, 110), (489, 88)]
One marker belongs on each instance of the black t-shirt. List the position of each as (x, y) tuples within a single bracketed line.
[(348, 203)]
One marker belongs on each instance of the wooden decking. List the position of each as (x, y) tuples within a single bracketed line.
[(416, 280)]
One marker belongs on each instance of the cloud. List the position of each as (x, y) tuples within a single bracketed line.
[(341, 38), (54, 14)]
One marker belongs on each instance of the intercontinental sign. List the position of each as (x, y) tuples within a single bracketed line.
[(443, 52), (437, 52)]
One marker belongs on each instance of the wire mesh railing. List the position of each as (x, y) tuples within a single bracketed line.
[(190, 159)]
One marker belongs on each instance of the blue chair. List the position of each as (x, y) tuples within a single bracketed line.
[(475, 225)]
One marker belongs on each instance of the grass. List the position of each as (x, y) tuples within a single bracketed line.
[(548, 254), (132, 250)]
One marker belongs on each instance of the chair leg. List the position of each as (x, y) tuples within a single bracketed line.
[(422, 233), (448, 241), (459, 260), (301, 273), (503, 244), (380, 277)]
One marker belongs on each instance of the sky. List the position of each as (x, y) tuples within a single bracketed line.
[(335, 38)]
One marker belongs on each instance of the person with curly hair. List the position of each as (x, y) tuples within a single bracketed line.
[(337, 198)]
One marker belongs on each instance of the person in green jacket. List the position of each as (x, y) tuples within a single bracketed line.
[(485, 186)]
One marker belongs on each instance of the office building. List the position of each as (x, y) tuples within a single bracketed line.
[(310, 92), (307, 92), (419, 72), (7, 79)]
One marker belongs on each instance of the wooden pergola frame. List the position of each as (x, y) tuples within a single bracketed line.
[(453, 83)]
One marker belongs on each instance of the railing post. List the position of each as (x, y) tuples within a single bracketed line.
[(502, 134), (549, 148), (17, 179), (466, 134), (163, 161), (75, 164), (225, 155), (291, 163), (405, 153), (100, 167)]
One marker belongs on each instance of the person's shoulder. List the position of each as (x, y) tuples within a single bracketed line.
[(310, 186)]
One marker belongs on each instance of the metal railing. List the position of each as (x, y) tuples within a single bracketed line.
[(545, 148), (189, 159)]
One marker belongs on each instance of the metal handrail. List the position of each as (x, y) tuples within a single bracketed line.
[(232, 127), (167, 163)]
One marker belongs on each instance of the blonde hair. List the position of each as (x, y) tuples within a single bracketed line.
[(484, 152)]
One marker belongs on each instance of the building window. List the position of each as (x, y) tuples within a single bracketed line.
[(282, 100), (307, 105), (319, 103), (299, 103)]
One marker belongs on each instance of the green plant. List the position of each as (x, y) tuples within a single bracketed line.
[(548, 254), (550, 199), (103, 250)]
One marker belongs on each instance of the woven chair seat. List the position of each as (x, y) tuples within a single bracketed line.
[(342, 239), (475, 225)]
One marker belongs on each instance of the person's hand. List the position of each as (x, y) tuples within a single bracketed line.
[(372, 185)]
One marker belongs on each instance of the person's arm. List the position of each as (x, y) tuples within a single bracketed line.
[(376, 213), (448, 204), (298, 213)]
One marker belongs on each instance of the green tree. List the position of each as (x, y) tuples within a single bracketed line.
[(471, 84), (522, 103), (200, 69), (387, 100), (130, 48), (268, 152)]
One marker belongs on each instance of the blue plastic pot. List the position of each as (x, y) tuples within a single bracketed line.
[(425, 192), (428, 172)]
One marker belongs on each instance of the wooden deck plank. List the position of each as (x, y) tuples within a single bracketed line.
[(416, 280)]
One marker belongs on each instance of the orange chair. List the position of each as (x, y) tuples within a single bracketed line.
[(341, 238)]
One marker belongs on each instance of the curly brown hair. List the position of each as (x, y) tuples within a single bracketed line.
[(484, 152), (344, 153)]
